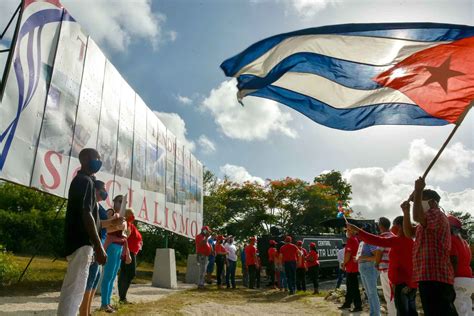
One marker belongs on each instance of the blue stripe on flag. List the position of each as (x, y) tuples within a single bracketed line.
[(353, 118), (429, 32), (347, 73)]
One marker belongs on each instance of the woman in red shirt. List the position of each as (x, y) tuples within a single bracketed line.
[(312, 261), (220, 259), (461, 260), (400, 264)]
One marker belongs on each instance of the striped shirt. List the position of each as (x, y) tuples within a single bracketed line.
[(431, 250), (383, 265)]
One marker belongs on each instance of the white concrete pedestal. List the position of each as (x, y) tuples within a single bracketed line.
[(164, 271), (192, 270)]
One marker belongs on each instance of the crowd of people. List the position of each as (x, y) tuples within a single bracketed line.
[(98, 243), (430, 258), (288, 264)]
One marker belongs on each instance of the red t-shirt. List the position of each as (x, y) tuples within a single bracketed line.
[(250, 253), (289, 252), (352, 245), (301, 263), (220, 250), (460, 249), (400, 257), (134, 240), (312, 259), (202, 248), (271, 254)]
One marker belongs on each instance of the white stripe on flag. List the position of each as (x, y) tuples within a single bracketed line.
[(367, 50), (335, 94)]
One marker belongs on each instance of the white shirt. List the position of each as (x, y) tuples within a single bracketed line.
[(231, 252), (340, 256)]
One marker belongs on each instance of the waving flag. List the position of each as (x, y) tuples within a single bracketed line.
[(357, 75)]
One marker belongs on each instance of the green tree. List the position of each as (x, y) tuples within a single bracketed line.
[(467, 224), (341, 188), (16, 198)]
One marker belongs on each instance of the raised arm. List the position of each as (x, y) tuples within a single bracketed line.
[(373, 239), (407, 226), (418, 213)]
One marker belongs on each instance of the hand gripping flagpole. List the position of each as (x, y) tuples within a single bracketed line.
[(458, 123)]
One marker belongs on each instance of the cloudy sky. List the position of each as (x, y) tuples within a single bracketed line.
[(170, 51)]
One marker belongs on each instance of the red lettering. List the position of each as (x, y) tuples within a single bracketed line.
[(194, 228), (184, 225), (52, 170), (174, 221), (130, 197), (108, 187), (155, 221), (144, 209), (166, 217)]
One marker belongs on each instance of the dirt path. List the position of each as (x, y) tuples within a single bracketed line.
[(187, 300), (47, 303)]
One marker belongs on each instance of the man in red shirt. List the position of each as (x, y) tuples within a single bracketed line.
[(352, 272), (461, 260), (289, 253), (381, 263), (431, 263), (301, 267), (400, 263), (312, 261), (203, 250), (271, 263), (251, 261)]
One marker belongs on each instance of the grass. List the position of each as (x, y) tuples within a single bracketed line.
[(173, 304), (44, 275)]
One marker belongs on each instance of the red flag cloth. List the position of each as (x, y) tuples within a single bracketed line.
[(439, 79)]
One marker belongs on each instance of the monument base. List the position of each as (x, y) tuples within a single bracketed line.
[(192, 270), (164, 271)]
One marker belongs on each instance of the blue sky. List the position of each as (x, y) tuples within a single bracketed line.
[(170, 52)]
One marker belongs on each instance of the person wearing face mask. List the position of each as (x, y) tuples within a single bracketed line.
[(94, 269), (81, 237), (431, 261), (352, 271), (135, 244), (400, 263), (461, 260)]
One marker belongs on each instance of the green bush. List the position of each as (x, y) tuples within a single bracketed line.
[(32, 232), (9, 270)]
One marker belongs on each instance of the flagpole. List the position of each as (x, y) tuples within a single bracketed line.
[(458, 123)]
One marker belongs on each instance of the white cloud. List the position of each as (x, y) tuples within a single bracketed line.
[(207, 146), (308, 8), (118, 23), (379, 192), (177, 126), (183, 99), (239, 174), (257, 119), (172, 35)]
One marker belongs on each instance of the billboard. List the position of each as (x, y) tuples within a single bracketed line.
[(61, 95)]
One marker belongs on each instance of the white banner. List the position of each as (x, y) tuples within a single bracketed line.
[(62, 95)]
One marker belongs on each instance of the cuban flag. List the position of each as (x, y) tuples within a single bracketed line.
[(354, 76)]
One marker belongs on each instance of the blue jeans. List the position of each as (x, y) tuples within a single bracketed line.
[(369, 276), (290, 271), (230, 273), (340, 277), (282, 281), (111, 268), (94, 276)]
